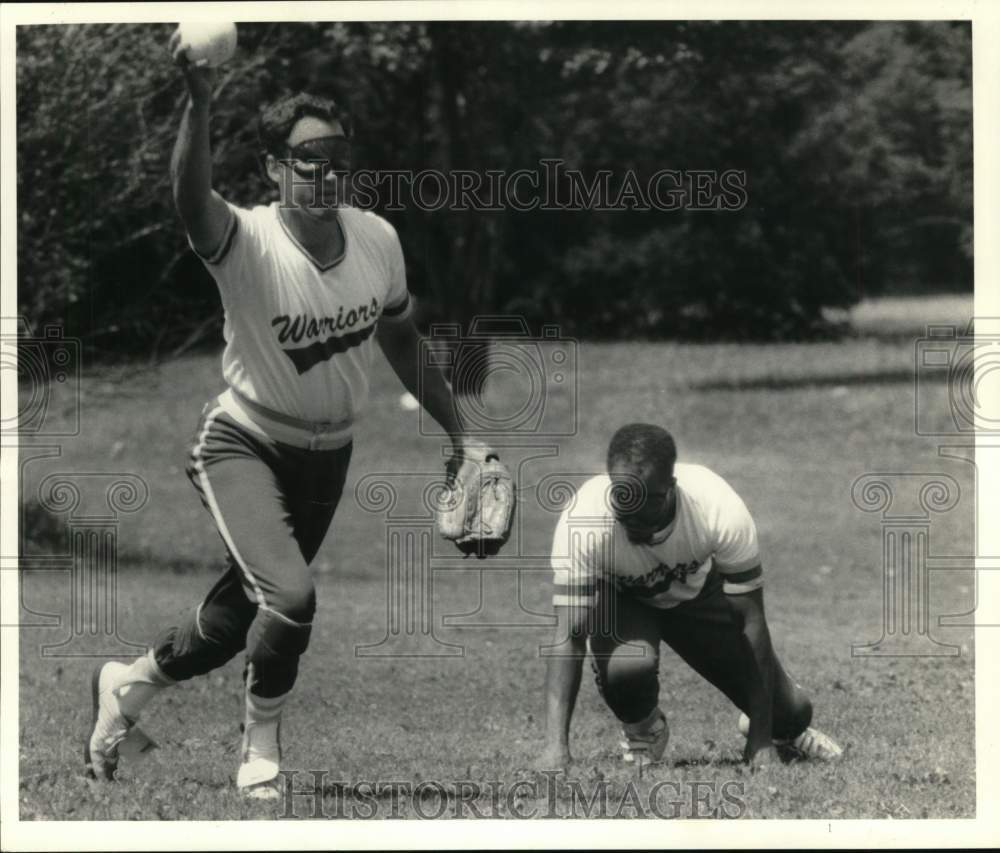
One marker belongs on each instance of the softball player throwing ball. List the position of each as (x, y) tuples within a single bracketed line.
[(308, 285)]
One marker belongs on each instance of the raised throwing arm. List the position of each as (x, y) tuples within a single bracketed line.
[(202, 210)]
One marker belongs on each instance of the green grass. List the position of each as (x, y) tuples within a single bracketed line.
[(790, 426)]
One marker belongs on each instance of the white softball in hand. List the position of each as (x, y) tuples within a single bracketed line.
[(209, 42)]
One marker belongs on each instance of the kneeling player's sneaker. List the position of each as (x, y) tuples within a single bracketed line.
[(812, 743), (646, 741), (258, 775), (111, 730)]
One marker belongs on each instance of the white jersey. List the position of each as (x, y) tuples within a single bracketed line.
[(711, 526), (299, 336)]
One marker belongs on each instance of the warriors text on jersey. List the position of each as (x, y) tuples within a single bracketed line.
[(298, 335), (711, 525)]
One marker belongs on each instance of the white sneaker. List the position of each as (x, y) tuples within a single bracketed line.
[(644, 747), (258, 774), (111, 730), (812, 743), (815, 745)]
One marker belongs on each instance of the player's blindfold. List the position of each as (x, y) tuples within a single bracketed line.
[(322, 154)]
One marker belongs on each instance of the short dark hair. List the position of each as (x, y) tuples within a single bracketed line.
[(639, 444), (278, 118)]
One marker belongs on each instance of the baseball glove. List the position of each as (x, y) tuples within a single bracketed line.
[(476, 510)]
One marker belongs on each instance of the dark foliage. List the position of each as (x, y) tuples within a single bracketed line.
[(854, 139)]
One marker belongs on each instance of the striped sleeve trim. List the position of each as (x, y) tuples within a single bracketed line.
[(572, 586), (739, 582), (227, 241), (395, 313)]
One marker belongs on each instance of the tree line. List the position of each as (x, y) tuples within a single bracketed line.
[(670, 179)]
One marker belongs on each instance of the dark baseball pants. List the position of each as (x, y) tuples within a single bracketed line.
[(272, 505), (706, 633)]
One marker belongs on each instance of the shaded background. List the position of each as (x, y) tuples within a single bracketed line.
[(855, 138)]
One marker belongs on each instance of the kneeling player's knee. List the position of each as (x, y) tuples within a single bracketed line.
[(639, 664), (629, 681)]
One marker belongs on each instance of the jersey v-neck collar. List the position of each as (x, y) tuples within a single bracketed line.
[(664, 534), (304, 251)]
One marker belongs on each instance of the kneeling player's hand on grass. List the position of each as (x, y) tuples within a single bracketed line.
[(763, 758), (554, 757)]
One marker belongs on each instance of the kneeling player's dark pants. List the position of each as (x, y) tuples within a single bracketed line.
[(272, 505), (706, 633)]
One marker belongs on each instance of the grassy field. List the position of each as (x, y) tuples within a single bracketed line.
[(790, 426)]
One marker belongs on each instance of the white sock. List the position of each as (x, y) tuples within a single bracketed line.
[(261, 724), (261, 710), (139, 683)]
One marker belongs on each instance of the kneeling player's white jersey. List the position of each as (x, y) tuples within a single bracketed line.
[(299, 335), (712, 524)]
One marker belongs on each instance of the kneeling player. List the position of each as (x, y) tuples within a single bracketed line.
[(657, 551)]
